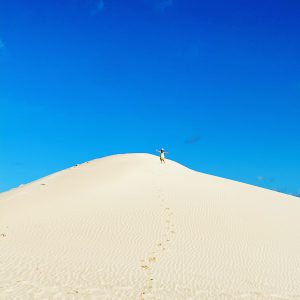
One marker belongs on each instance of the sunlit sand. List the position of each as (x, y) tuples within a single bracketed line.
[(127, 227)]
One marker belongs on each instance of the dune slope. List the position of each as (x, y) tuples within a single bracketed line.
[(126, 227)]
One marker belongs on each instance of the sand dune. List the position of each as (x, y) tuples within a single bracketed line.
[(126, 227)]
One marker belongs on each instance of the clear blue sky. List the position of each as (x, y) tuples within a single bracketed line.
[(216, 83)]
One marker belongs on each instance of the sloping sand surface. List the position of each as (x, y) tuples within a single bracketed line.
[(126, 227)]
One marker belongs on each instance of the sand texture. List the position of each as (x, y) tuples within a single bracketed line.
[(125, 227)]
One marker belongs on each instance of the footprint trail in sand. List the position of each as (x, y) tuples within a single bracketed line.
[(149, 264)]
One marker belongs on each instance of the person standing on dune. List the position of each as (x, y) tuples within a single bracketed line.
[(162, 155)]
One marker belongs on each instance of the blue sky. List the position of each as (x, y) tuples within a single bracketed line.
[(216, 83)]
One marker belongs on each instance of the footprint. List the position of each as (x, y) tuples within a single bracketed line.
[(152, 259), (145, 267)]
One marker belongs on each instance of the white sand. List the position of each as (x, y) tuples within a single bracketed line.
[(124, 225)]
